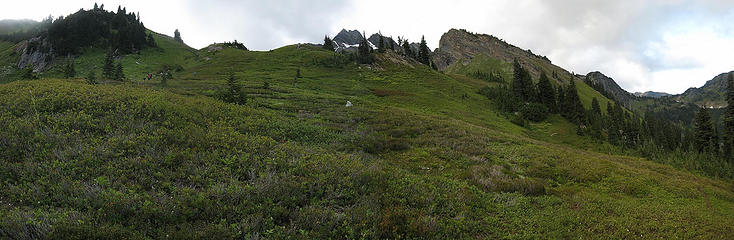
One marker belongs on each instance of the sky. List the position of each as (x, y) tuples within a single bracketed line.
[(645, 45)]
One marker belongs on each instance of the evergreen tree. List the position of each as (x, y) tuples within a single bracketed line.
[(108, 69), (390, 44), (704, 131), (729, 119), (234, 93), (424, 54), (177, 36), (119, 75), (28, 73), (151, 41), (595, 108), (381, 44), (546, 93), (561, 98), (69, 71), (364, 52), (91, 77), (328, 44), (614, 128), (407, 49), (574, 109), (522, 84)]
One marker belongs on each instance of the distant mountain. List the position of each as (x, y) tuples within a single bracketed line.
[(347, 39), (651, 94), (712, 94), (609, 88), (12, 26)]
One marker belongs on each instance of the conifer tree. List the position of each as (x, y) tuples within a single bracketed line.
[(365, 52), (381, 44), (150, 40), (328, 44), (522, 84), (177, 36), (615, 135), (575, 110), (729, 119), (561, 99), (108, 69), (704, 131), (69, 70), (407, 50), (390, 44), (119, 75), (546, 93), (424, 55), (91, 77), (234, 93), (595, 108)]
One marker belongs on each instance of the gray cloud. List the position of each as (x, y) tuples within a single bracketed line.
[(263, 24)]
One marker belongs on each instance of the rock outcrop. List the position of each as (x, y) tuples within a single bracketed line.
[(347, 40), (462, 46), (35, 53)]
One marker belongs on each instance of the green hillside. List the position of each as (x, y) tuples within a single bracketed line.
[(486, 64), (420, 154)]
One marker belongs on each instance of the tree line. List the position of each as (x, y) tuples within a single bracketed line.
[(98, 27), (524, 101)]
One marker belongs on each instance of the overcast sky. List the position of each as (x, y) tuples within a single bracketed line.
[(660, 45)]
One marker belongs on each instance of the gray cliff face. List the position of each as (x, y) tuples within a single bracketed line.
[(36, 53), (347, 40)]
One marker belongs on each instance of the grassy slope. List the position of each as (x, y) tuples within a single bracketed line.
[(484, 63), (135, 65), (412, 158)]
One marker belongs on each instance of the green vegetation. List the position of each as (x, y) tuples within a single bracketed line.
[(328, 44), (419, 154), (147, 163), (97, 27)]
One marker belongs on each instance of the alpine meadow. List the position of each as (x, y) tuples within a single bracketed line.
[(112, 130)]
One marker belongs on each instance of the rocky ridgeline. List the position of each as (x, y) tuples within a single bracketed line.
[(348, 40), (462, 46), (711, 94), (610, 88)]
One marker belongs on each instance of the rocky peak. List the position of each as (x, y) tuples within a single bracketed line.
[(347, 39), (462, 46)]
